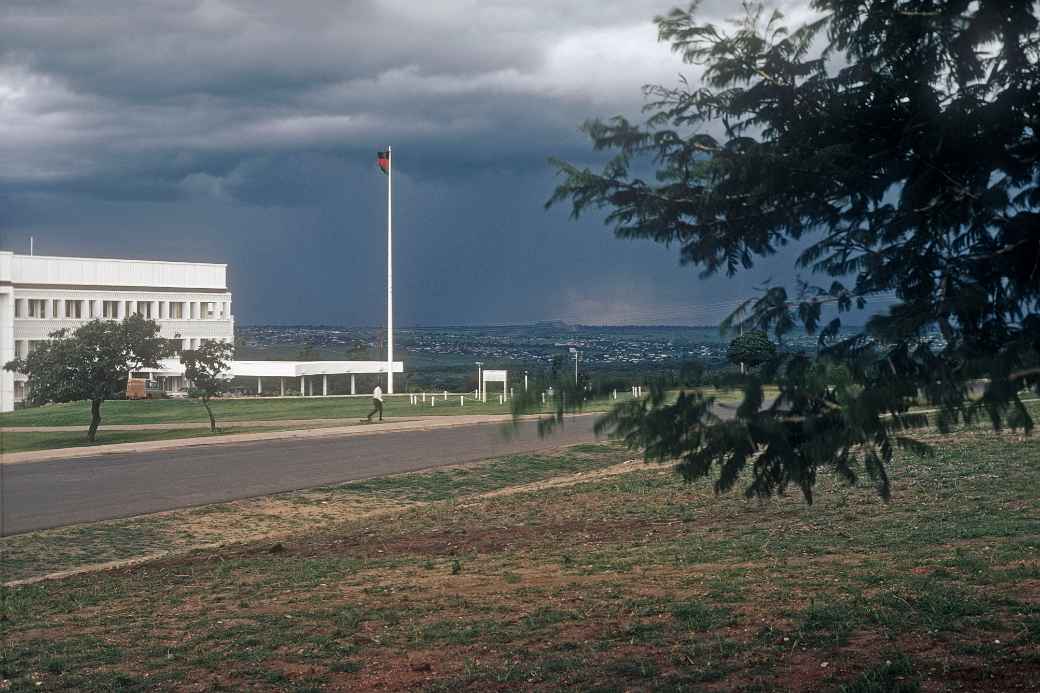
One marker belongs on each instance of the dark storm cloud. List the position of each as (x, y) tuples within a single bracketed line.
[(246, 132)]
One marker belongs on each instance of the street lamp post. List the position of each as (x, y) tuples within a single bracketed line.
[(575, 352), (480, 383)]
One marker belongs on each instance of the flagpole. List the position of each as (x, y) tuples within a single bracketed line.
[(389, 275)]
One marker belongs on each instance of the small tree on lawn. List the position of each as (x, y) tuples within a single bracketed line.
[(206, 368), (751, 349), (91, 363)]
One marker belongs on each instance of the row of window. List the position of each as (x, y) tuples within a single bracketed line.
[(79, 309)]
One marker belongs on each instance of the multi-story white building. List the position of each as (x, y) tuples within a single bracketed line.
[(40, 294)]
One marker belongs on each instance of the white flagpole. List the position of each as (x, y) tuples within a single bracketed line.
[(389, 275)]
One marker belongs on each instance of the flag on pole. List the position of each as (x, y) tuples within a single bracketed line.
[(383, 158)]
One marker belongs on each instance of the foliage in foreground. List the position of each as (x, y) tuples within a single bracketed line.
[(897, 144)]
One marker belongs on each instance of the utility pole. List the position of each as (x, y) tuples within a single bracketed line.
[(480, 382)]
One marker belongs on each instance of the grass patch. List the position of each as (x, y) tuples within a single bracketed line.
[(26, 442), (260, 409), (895, 675), (629, 582), (64, 548), (440, 485)]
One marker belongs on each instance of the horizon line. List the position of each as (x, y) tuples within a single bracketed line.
[(540, 323)]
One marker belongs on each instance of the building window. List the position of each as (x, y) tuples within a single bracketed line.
[(18, 307), (176, 310), (54, 308), (162, 309), (37, 308), (110, 310), (144, 309), (74, 309)]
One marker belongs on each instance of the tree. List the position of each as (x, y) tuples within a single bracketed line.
[(91, 363), (692, 373), (308, 353), (206, 368), (896, 143), (751, 349)]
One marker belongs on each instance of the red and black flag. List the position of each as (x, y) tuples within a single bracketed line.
[(383, 159)]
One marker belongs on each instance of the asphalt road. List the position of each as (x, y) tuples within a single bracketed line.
[(41, 495)]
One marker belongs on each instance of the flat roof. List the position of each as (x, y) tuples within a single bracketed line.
[(114, 259), (290, 369)]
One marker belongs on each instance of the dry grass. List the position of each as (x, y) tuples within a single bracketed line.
[(605, 581)]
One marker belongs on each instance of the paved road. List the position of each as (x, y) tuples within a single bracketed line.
[(41, 495)]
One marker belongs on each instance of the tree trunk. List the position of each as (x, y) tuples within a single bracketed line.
[(212, 421), (95, 419)]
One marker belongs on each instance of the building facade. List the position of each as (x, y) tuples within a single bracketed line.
[(190, 301)]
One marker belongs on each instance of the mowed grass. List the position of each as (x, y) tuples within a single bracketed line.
[(153, 411), (629, 582), (171, 411), (21, 441), (231, 410)]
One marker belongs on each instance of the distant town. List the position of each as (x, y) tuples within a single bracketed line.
[(539, 343)]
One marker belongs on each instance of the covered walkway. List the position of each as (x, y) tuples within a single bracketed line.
[(308, 373)]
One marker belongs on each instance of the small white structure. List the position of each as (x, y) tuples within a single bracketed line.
[(490, 376), (306, 371)]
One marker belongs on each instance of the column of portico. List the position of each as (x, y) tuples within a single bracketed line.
[(324, 386)]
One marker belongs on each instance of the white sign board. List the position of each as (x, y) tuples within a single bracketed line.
[(491, 376)]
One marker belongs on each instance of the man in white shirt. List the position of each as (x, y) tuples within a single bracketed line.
[(377, 403)]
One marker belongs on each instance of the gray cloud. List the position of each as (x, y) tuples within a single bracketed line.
[(246, 132)]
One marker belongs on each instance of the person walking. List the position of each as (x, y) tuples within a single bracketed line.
[(377, 404)]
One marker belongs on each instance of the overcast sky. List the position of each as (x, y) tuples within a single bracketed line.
[(246, 133)]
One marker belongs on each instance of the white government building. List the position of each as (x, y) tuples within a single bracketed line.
[(190, 301)]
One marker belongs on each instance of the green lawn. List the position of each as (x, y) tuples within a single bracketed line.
[(273, 409), (634, 582), (50, 440), (230, 410)]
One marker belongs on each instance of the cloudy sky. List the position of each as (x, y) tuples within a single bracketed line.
[(246, 133)]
